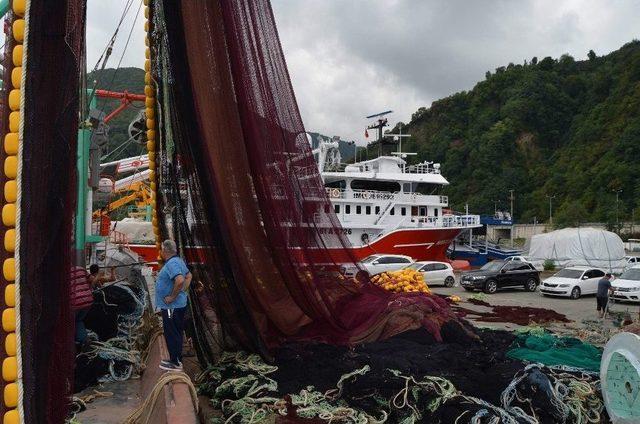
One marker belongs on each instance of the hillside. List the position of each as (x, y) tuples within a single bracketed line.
[(554, 127), (131, 80)]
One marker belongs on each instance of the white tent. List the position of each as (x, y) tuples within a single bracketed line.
[(579, 246)]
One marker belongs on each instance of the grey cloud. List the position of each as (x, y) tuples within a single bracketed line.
[(348, 59)]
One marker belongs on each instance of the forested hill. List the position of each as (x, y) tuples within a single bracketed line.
[(550, 127), (131, 80)]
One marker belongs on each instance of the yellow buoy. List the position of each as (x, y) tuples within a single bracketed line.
[(151, 147), (10, 295), (151, 134), (9, 215), (18, 30), (10, 240), (152, 174), (16, 77), (11, 417), (9, 320), (14, 99), (150, 102), (11, 395), (146, 41), (9, 269), (11, 166), (150, 113), (19, 6), (146, 2), (152, 158), (10, 369), (16, 55), (147, 65), (146, 26), (11, 143), (10, 344), (148, 91), (151, 124), (10, 191), (147, 53), (14, 122)]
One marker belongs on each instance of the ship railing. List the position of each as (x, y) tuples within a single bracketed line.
[(422, 168), (339, 193), (447, 221)]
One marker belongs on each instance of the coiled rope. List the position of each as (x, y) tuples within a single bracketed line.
[(142, 415)]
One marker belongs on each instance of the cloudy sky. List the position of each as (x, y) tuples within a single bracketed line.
[(352, 58)]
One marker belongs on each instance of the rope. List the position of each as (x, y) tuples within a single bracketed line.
[(143, 414), (25, 62)]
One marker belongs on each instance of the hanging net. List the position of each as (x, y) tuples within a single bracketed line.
[(245, 197), (52, 62)]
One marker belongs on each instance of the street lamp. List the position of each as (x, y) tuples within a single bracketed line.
[(550, 208), (617, 198)]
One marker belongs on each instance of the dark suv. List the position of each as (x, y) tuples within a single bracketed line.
[(500, 274)]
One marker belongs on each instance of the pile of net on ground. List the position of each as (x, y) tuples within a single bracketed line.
[(406, 379), (112, 350), (542, 346)]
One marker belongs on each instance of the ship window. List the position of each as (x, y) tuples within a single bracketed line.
[(390, 186), (423, 211), (403, 211), (435, 212), (368, 210), (393, 211), (358, 209), (347, 209), (377, 210), (336, 208)]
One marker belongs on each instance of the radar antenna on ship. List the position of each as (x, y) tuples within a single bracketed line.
[(379, 126)]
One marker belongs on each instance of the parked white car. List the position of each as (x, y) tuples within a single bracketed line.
[(537, 266), (572, 282), (435, 272), (375, 264), (627, 286), (631, 261)]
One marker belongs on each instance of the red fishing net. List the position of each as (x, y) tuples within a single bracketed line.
[(247, 199), (53, 59)]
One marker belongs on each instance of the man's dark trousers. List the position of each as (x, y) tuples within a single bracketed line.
[(173, 332)]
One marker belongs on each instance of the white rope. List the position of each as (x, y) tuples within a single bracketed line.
[(23, 84)]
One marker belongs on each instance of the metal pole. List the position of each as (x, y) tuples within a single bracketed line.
[(511, 230), (4, 7), (550, 209)]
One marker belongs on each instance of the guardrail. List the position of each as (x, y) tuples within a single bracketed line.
[(407, 198)]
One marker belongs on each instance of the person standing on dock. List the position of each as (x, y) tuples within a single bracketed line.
[(602, 296), (81, 301), (171, 298)]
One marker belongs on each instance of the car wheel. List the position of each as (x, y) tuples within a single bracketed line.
[(531, 285), (363, 276), (449, 281), (575, 293), (490, 287)]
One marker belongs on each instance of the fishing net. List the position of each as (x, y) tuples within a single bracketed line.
[(53, 60), (461, 380), (4, 123), (247, 203), (553, 350)]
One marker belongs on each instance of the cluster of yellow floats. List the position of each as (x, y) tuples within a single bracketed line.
[(150, 112), (402, 281), (11, 148)]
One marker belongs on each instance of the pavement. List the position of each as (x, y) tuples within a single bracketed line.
[(575, 310)]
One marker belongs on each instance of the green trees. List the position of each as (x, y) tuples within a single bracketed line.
[(563, 127)]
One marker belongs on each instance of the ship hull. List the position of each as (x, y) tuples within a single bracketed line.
[(420, 243)]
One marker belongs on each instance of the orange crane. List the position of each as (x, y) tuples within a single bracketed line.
[(140, 193)]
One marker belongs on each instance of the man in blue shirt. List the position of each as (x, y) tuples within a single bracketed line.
[(171, 299)]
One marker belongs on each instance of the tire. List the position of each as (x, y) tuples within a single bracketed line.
[(362, 276), (531, 285), (575, 293), (490, 287), (449, 282)]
